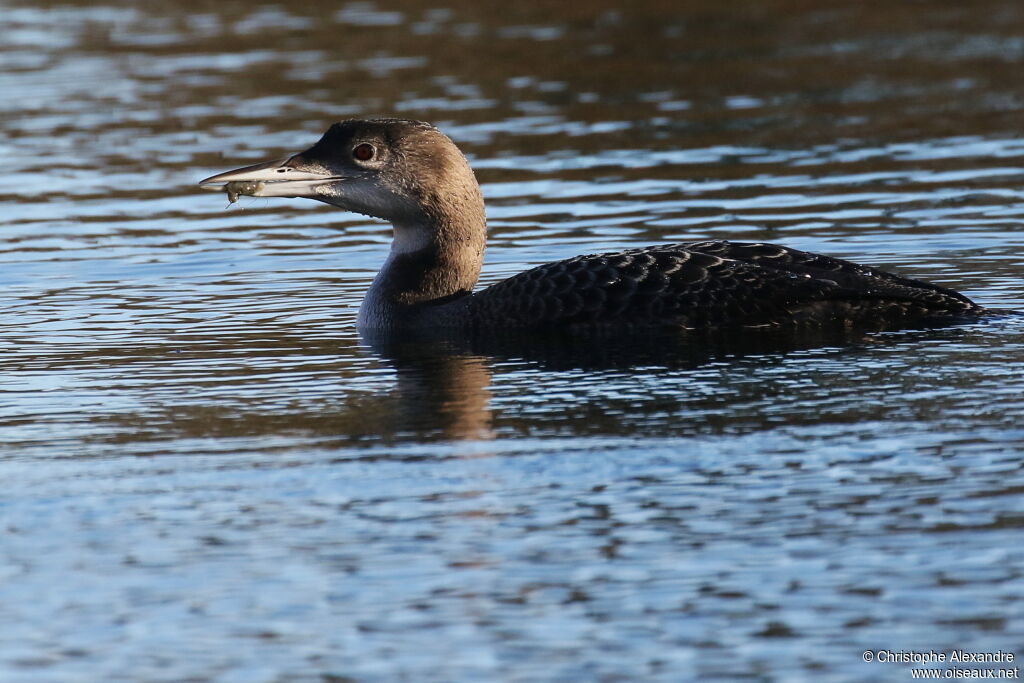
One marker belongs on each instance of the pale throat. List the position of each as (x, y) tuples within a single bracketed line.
[(410, 237)]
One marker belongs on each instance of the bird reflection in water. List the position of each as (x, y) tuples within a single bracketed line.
[(444, 380), (442, 391)]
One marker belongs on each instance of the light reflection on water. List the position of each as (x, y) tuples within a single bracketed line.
[(210, 475)]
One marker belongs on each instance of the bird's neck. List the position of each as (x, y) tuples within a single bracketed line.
[(435, 259)]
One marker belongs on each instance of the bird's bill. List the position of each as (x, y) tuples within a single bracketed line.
[(288, 177)]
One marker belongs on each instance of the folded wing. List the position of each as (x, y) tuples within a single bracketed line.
[(710, 284)]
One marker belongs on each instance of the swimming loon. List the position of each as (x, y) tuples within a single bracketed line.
[(411, 174)]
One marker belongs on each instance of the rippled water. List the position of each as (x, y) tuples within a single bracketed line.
[(210, 476)]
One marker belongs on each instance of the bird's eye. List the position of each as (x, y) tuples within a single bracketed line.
[(363, 152)]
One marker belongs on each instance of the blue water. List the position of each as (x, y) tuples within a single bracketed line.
[(209, 475)]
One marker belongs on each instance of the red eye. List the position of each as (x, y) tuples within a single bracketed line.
[(363, 152)]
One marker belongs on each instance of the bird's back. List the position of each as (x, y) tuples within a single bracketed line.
[(709, 284)]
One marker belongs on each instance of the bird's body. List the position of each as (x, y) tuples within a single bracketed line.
[(409, 173), (710, 284)]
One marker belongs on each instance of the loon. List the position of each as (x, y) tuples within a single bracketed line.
[(412, 175)]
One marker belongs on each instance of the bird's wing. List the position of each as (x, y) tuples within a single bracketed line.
[(705, 284)]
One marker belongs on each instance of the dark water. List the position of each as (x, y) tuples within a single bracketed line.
[(209, 476)]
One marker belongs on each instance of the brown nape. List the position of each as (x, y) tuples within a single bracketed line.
[(452, 203)]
